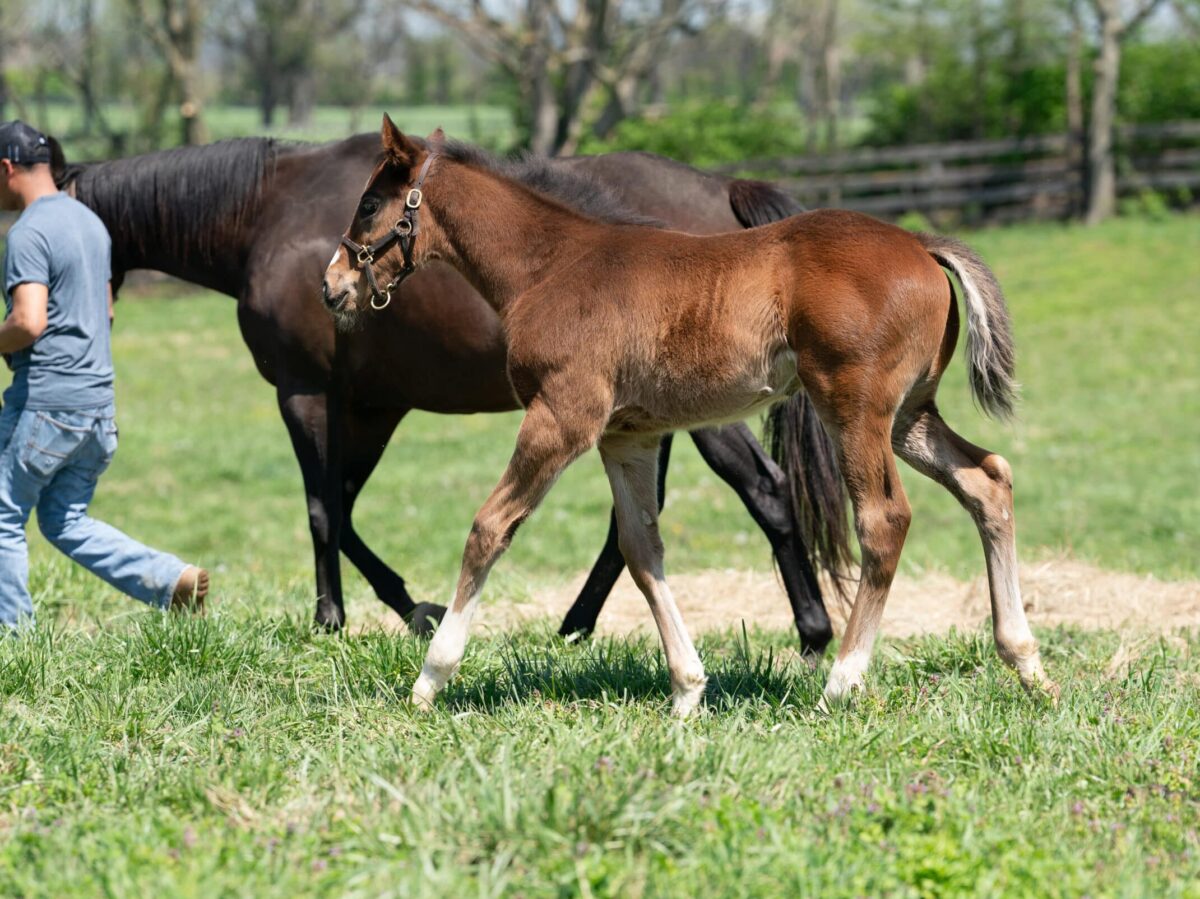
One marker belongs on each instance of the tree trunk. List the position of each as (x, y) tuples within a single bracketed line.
[(192, 130), (268, 98), (1076, 150), (979, 70), (622, 101), (1102, 170), (3, 82), (443, 73), (301, 99), (831, 75), (541, 102)]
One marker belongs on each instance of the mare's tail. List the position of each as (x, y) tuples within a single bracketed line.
[(991, 357), (794, 434)]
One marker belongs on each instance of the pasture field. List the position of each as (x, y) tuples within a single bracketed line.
[(489, 125), (244, 754)]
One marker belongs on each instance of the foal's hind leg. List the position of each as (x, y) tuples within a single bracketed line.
[(580, 620), (632, 466), (546, 444), (982, 483), (881, 518)]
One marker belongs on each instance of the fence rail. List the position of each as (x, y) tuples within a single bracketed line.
[(985, 180)]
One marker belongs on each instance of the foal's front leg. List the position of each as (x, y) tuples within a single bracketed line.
[(549, 440), (632, 467)]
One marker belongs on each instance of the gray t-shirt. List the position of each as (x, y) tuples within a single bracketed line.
[(61, 243)]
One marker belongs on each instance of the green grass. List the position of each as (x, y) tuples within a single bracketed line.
[(490, 125), (245, 755)]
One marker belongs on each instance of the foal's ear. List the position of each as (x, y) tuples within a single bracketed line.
[(437, 139), (399, 149)]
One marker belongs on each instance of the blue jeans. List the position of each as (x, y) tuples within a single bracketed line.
[(52, 460)]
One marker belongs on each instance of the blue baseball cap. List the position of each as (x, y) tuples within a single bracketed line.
[(22, 144)]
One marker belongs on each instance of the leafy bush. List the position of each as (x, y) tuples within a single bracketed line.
[(707, 134), (1160, 82), (915, 221), (1148, 204), (947, 106)]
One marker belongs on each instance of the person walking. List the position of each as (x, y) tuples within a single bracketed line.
[(58, 431)]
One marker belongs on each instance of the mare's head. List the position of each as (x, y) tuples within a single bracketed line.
[(391, 234)]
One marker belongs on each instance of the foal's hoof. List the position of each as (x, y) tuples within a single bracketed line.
[(425, 618), (686, 697), (838, 695), (1044, 688), (423, 695)]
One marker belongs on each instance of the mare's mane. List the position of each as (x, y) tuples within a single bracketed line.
[(187, 202), (190, 202), (577, 190)]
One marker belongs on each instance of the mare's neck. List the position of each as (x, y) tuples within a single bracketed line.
[(504, 238), (160, 224)]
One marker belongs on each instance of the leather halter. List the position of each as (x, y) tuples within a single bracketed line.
[(403, 232)]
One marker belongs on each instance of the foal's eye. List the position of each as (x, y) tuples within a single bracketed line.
[(368, 207)]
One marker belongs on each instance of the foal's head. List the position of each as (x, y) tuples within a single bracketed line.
[(391, 234)]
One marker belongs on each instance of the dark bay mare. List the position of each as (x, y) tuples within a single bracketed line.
[(257, 219), (618, 333)]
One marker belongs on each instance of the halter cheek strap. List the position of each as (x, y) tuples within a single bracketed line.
[(403, 232)]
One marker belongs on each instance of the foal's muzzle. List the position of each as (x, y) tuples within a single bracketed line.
[(334, 300)]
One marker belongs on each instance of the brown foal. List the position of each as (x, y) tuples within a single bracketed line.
[(618, 334)]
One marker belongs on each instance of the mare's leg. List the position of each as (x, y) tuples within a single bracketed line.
[(739, 460), (631, 466), (317, 446), (367, 435), (581, 618), (881, 518), (549, 440), (982, 482)]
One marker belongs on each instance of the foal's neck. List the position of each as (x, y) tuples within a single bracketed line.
[(503, 236)]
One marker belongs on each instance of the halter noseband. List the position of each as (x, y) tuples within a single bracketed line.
[(403, 232)]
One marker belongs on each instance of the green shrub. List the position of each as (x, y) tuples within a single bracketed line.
[(1148, 204), (707, 134), (915, 221)]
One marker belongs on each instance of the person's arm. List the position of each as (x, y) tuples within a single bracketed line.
[(27, 320)]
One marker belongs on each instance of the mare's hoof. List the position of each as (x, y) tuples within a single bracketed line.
[(329, 620), (425, 618), (575, 638)]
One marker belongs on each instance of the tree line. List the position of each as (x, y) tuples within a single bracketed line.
[(751, 77)]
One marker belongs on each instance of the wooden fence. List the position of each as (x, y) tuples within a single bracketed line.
[(986, 180)]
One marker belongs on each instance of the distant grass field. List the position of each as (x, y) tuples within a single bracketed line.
[(489, 125), (245, 755)]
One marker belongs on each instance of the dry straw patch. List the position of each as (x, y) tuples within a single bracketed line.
[(1056, 592)]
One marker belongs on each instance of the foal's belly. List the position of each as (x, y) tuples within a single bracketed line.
[(732, 386)]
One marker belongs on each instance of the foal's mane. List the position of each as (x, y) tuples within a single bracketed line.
[(186, 202), (577, 190)]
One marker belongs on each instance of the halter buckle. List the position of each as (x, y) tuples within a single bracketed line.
[(414, 198), (365, 256)]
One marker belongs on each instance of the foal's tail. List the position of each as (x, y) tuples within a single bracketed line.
[(991, 358), (794, 434)]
